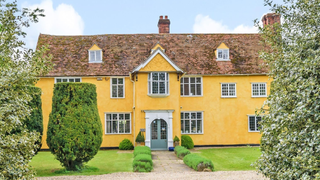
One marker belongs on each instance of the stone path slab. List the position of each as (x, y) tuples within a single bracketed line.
[(167, 161)]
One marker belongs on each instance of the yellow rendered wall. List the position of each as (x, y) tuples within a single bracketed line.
[(105, 104), (225, 119), (46, 85), (148, 102), (94, 47), (158, 63)]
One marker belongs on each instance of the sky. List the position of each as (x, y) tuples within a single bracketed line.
[(79, 17)]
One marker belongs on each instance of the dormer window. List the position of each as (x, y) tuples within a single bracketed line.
[(223, 54), (95, 56)]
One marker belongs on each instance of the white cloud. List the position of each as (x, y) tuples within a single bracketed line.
[(204, 24), (63, 20)]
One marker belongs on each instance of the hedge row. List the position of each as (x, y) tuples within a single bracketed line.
[(141, 150), (142, 161), (197, 162), (181, 151)]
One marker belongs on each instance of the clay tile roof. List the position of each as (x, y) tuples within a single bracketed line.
[(193, 53)]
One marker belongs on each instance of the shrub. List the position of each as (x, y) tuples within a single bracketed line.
[(142, 163), (197, 162), (141, 150), (181, 151), (187, 142), (34, 122), (126, 144), (176, 139), (140, 137), (74, 131)]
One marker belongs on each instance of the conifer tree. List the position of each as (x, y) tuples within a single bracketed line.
[(74, 131)]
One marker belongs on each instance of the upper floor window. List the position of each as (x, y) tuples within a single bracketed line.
[(158, 83), (254, 123), (117, 87), (259, 89), (223, 54), (228, 90), (191, 86), (95, 56), (67, 79)]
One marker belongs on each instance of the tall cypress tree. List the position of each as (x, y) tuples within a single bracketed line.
[(74, 131)]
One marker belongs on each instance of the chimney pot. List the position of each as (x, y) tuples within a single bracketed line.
[(270, 19), (164, 25)]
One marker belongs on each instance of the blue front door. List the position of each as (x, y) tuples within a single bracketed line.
[(159, 135)]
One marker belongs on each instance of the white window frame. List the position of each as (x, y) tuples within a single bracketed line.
[(229, 96), (255, 83), (105, 116), (190, 122), (255, 123), (150, 86), (223, 51), (190, 94), (68, 79), (124, 87), (95, 59)]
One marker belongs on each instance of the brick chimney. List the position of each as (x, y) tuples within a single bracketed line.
[(164, 25), (270, 18)]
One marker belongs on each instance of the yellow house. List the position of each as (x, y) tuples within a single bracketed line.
[(207, 86)]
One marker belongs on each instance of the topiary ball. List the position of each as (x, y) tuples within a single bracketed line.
[(187, 141), (126, 144)]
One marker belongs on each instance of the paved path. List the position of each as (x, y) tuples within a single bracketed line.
[(167, 161)]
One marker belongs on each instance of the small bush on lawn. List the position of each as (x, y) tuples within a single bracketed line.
[(141, 150), (187, 141), (197, 162), (126, 144), (142, 163), (181, 151)]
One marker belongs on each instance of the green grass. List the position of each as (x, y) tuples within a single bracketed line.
[(104, 162), (232, 159)]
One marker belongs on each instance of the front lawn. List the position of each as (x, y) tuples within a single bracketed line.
[(232, 159), (104, 162)]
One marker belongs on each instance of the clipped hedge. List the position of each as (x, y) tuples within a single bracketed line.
[(141, 150), (181, 151), (74, 131), (126, 144), (187, 141), (197, 162), (142, 161)]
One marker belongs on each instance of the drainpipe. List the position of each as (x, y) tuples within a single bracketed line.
[(133, 109)]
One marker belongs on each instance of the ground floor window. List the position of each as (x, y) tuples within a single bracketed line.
[(118, 123), (254, 123), (191, 122)]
